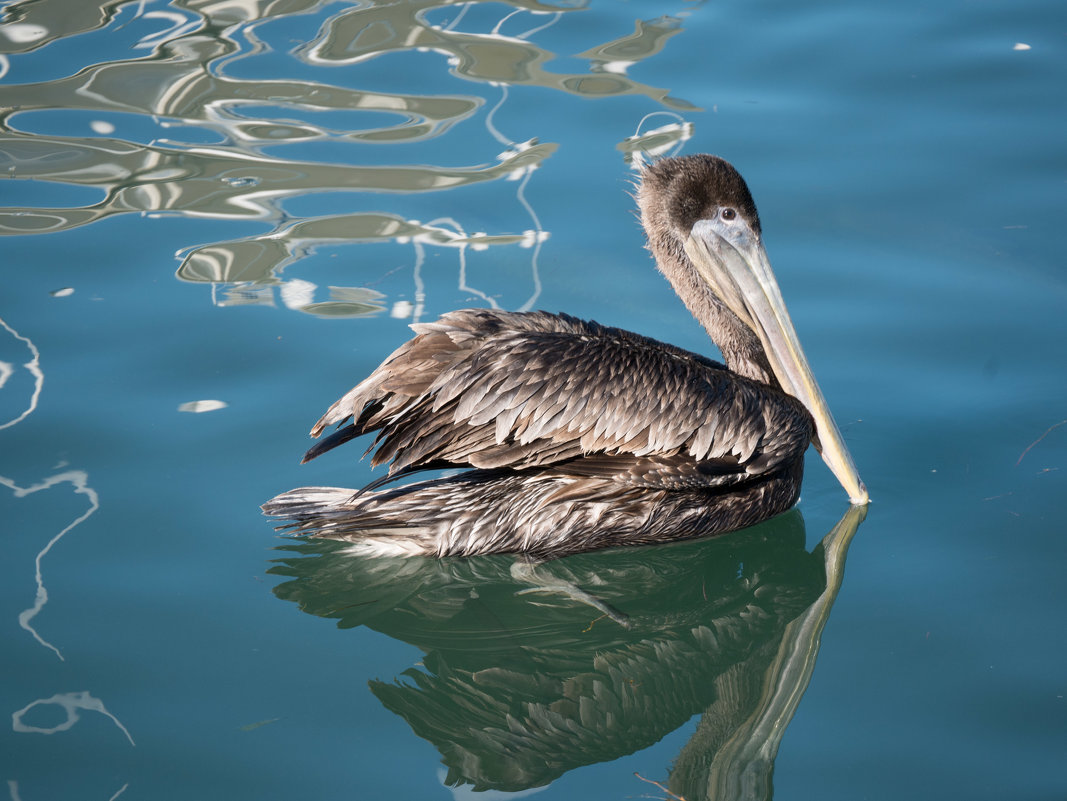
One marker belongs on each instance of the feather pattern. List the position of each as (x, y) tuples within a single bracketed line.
[(540, 512), (494, 389)]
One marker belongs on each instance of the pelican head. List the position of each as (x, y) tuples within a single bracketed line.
[(705, 233)]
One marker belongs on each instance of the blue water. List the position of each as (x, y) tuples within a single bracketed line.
[(205, 176)]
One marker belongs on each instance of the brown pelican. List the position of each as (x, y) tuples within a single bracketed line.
[(586, 436)]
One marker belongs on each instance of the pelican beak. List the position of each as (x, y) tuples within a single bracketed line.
[(731, 258)]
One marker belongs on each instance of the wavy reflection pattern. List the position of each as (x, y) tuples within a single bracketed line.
[(78, 480), (178, 127), (531, 670)]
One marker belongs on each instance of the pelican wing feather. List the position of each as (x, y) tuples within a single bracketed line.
[(493, 389)]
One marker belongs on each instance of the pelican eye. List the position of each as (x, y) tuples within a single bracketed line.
[(728, 214)]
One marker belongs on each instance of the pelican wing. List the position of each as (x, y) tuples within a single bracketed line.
[(491, 389)]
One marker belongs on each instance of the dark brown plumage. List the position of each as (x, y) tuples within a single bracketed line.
[(582, 435)]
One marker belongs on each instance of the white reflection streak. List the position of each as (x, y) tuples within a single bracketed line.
[(33, 365), (420, 287), (489, 126), (640, 156), (79, 479), (463, 260), (538, 234), (539, 28), (538, 239), (459, 16), (520, 195), (496, 28), (136, 14), (181, 26), (71, 703)]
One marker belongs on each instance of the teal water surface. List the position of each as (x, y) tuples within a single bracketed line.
[(236, 209)]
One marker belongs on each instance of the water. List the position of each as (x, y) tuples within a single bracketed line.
[(250, 202)]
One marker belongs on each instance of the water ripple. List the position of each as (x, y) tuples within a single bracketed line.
[(178, 129)]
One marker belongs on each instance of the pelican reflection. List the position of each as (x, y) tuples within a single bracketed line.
[(523, 679)]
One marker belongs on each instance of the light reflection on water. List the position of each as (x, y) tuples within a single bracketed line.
[(183, 85)]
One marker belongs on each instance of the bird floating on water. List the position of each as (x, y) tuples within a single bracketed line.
[(582, 436)]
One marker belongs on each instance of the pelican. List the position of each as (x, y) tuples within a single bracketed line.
[(583, 436)]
